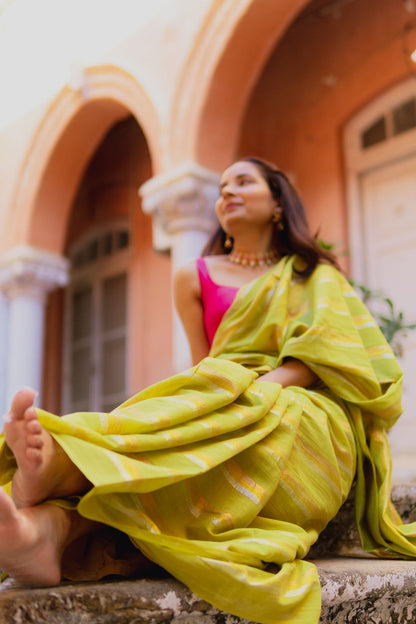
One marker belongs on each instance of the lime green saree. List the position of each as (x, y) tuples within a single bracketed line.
[(225, 480)]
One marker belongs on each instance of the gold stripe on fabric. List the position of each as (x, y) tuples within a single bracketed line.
[(242, 482)]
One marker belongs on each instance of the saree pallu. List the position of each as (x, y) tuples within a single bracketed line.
[(225, 480)]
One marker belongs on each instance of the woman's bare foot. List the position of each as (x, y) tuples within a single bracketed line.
[(32, 541), (43, 469)]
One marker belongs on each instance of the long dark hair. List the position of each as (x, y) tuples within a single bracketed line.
[(294, 237)]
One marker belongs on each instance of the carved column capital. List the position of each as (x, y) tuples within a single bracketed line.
[(180, 199), (25, 270)]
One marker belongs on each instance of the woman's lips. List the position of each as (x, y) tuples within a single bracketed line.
[(231, 206)]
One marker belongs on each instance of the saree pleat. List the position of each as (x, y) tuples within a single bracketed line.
[(226, 480)]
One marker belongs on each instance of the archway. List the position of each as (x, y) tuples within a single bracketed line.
[(212, 95), (74, 123)]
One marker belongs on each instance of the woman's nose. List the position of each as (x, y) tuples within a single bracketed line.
[(227, 190)]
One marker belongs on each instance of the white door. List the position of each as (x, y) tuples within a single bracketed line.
[(389, 236)]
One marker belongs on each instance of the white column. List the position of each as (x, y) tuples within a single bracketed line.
[(26, 276), (4, 332), (181, 203)]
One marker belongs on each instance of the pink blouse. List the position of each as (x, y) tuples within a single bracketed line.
[(216, 299)]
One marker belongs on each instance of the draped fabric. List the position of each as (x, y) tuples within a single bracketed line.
[(226, 480)]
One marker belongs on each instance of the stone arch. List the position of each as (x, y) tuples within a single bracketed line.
[(74, 124), (244, 34)]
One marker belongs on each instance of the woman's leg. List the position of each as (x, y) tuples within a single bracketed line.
[(33, 536), (43, 468)]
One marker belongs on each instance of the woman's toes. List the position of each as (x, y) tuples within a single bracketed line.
[(34, 454), (22, 400), (34, 441), (33, 427), (30, 415)]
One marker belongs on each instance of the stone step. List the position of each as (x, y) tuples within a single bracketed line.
[(367, 591), (341, 536), (357, 591)]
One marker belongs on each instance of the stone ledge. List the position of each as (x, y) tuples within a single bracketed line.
[(340, 538), (368, 591), (150, 601), (355, 591)]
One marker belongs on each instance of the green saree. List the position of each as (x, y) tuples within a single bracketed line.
[(225, 480)]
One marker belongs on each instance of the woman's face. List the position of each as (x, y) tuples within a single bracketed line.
[(245, 198)]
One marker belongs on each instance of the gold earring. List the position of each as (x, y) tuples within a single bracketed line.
[(278, 219), (277, 214), (228, 243)]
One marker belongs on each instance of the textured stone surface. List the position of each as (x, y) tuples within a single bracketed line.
[(341, 536), (404, 497), (363, 591), (355, 591), (120, 602)]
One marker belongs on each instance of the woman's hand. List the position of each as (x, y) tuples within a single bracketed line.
[(291, 373)]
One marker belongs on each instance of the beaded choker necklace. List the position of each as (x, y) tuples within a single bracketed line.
[(247, 259)]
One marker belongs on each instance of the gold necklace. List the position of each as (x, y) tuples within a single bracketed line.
[(252, 260)]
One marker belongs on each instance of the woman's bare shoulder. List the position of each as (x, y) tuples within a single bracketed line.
[(186, 275), (189, 269)]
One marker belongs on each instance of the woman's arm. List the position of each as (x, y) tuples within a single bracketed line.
[(291, 373), (187, 296)]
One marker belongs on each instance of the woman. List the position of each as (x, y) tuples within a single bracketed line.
[(226, 474)]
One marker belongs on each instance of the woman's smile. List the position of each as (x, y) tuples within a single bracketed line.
[(232, 205)]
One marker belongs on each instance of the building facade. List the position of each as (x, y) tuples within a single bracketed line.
[(112, 140)]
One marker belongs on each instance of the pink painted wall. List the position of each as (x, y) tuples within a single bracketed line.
[(328, 65), (107, 192), (244, 40), (52, 362)]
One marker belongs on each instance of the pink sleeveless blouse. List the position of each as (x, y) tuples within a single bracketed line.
[(216, 299)]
